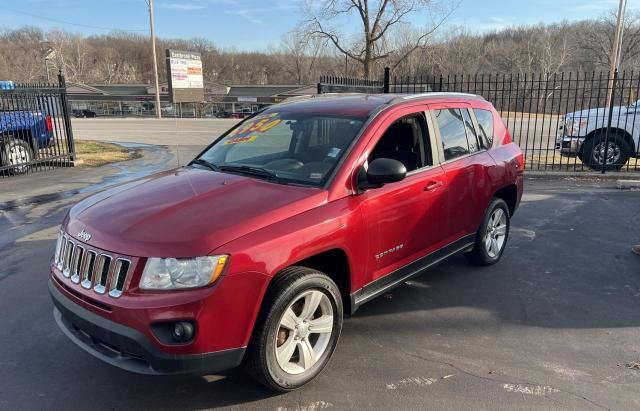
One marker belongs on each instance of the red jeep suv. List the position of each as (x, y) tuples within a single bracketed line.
[(252, 253)]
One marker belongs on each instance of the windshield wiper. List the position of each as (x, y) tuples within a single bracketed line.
[(250, 170), (206, 164)]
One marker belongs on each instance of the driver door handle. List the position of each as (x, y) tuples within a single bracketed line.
[(433, 185)]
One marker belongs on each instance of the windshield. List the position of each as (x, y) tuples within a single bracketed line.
[(284, 146)]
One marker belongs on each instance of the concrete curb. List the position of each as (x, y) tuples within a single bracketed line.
[(587, 175), (628, 184)]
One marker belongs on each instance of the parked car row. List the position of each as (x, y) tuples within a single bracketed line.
[(77, 113)]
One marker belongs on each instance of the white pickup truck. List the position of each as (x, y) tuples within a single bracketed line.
[(584, 132)]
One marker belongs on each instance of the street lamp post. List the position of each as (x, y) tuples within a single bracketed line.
[(155, 60)]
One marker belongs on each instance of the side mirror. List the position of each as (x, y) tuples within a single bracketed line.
[(382, 171)]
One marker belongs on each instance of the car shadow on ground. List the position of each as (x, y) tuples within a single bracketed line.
[(567, 265)]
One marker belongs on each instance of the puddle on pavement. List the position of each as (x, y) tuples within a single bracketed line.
[(132, 145), (127, 171)]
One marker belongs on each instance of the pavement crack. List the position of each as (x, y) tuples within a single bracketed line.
[(473, 375), (499, 380)]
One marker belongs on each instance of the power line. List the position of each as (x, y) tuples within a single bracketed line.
[(71, 23)]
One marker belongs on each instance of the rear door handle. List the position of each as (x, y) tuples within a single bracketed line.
[(433, 185)]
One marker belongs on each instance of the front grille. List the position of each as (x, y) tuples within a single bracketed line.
[(91, 268)]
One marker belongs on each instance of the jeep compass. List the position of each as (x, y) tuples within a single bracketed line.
[(253, 252)]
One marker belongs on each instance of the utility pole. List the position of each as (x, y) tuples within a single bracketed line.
[(617, 49), (155, 60), (46, 66)]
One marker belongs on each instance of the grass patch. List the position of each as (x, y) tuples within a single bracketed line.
[(95, 153)]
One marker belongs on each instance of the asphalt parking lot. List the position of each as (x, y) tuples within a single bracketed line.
[(555, 325)]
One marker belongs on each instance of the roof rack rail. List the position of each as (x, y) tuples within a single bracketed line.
[(436, 94)]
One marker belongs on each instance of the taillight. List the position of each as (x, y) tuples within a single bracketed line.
[(49, 123)]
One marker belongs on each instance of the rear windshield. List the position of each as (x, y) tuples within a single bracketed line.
[(285, 146)]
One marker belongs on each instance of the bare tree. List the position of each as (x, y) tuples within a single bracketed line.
[(300, 55), (122, 57), (376, 20), (596, 38)]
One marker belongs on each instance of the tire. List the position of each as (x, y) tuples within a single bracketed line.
[(618, 154), (293, 291), (18, 153), (491, 239)]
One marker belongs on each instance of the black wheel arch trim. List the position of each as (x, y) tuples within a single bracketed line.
[(628, 138)]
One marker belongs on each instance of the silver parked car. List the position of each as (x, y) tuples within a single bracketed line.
[(584, 134)]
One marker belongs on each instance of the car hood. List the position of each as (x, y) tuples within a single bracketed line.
[(596, 112), (186, 212)]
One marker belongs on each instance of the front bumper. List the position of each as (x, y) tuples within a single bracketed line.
[(129, 349), (569, 146)]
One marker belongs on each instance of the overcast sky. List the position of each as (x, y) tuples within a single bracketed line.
[(256, 24)]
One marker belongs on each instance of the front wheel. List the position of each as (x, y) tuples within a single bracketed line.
[(616, 151), (491, 239), (297, 331)]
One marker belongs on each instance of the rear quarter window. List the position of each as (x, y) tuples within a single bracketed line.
[(485, 122)]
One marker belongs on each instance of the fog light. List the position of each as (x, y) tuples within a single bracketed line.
[(182, 331)]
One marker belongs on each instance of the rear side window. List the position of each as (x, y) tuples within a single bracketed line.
[(452, 132), (485, 121)]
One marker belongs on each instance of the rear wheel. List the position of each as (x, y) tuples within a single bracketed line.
[(616, 150), (16, 153), (492, 236), (297, 331)]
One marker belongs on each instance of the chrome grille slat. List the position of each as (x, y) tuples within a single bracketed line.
[(91, 269), (76, 263), (88, 269), (102, 272), (118, 277), (68, 256), (63, 246), (56, 258)]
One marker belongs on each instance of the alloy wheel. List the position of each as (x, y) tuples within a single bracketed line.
[(304, 332), (18, 156), (613, 153), (496, 233)]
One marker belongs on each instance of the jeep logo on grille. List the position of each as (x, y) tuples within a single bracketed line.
[(84, 236)]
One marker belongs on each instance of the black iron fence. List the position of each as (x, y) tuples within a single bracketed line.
[(35, 128), (562, 121)]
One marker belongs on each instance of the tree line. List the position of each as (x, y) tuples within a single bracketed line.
[(313, 50)]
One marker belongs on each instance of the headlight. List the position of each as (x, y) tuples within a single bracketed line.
[(176, 273), (573, 126)]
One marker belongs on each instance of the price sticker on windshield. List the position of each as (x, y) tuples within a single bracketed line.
[(239, 140), (259, 124)]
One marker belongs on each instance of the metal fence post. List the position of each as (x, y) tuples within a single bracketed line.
[(387, 76), (609, 122), (66, 117)]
